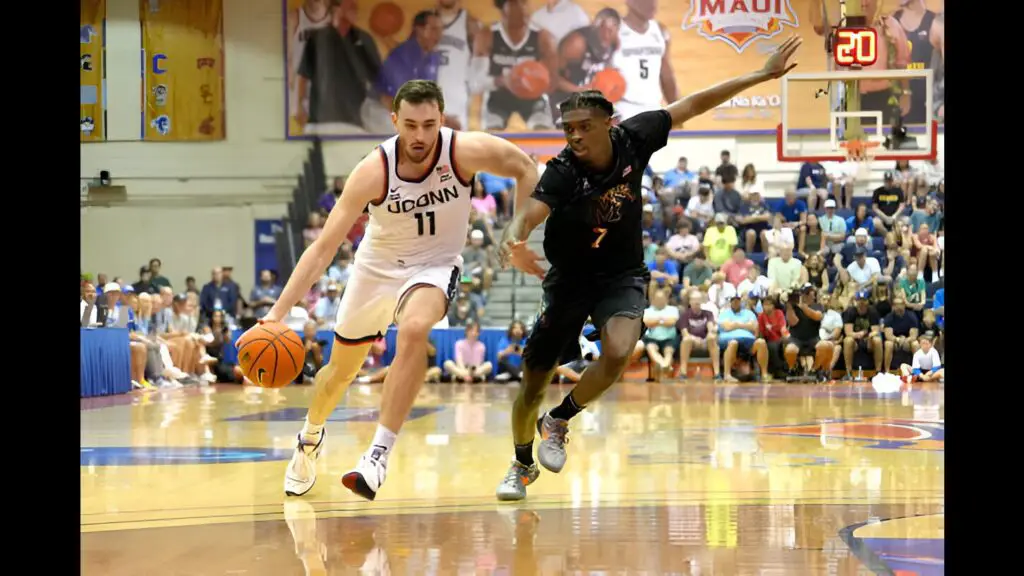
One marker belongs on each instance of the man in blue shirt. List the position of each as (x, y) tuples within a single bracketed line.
[(812, 182), (664, 271), (939, 307), (414, 59), (678, 175), (737, 329), (794, 211)]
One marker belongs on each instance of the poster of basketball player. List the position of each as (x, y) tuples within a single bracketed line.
[(912, 37), (505, 64)]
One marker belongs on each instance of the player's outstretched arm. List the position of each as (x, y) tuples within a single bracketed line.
[(695, 104), (364, 185)]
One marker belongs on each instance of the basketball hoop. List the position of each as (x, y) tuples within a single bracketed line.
[(861, 152)]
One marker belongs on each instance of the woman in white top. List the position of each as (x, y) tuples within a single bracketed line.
[(749, 182), (755, 282), (720, 292), (701, 207), (778, 237)]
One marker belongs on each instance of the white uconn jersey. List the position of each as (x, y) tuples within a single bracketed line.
[(639, 59), (453, 73), (418, 223)]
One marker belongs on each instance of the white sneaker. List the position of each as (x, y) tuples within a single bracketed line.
[(208, 377), (368, 475), (301, 473)]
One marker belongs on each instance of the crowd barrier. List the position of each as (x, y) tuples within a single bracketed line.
[(444, 340), (105, 362)]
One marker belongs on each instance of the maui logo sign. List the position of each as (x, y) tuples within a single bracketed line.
[(739, 23)]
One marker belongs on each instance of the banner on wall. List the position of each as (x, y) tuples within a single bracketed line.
[(506, 70), (92, 121), (265, 248), (183, 70)]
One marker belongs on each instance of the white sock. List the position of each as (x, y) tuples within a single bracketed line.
[(384, 438), (310, 429)]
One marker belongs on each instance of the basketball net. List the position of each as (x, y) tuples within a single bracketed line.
[(861, 152)]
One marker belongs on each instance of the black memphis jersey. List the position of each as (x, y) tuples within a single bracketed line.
[(505, 55), (594, 230)]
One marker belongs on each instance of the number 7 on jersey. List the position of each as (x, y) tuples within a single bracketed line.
[(600, 236)]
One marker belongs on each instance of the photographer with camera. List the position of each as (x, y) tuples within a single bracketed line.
[(510, 353), (804, 315)]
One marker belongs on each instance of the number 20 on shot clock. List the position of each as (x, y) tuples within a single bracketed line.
[(855, 47)]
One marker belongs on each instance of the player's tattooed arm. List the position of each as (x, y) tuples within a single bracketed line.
[(778, 64)]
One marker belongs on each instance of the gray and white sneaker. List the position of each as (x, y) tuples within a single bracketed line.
[(518, 477), (555, 434), (301, 473)]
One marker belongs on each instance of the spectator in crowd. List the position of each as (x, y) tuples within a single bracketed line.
[(939, 306), (477, 262), (298, 316), (926, 364), (484, 204), (470, 364), (901, 331), (374, 370), (794, 210), (805, 316), (755, 283), (815, 272), (778, 238), (697, 329), (433, 370), (861, 220), (737, 267), (844, 289), (510, 353), (842, 176), (314, 352), (719, 241), (930, 328), (913, 289), (162, 312), (113, 310), (145, 283), (87, 309), (660, 341), (831, 329), (326, 311), (887, 203), (654, 224), (462, 311), (263, 295), (216, 334), (861, 241), (664, 272), (811, 239), (749, 183), (720, 292), (697, 273), (784, 271), (218, 294), (862, 326), (650, 248), (833, 227), (771, 323), (728, 200), (726, 170), (753, 220), (501, 188), (340, 271), (683, 246), (190, 285), (812, 183), (895, 263), (314, 227), (156, 279), (925, 249), (864, 270), (676, 177), (737, 338), (701, 206), (329, 198)]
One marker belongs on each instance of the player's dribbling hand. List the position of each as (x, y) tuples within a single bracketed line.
[(520, 256), (778, 63)]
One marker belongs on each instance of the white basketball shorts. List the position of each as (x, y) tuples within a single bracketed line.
[(372, 299)]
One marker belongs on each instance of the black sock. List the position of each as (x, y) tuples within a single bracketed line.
[(567, 409), (524, 453)]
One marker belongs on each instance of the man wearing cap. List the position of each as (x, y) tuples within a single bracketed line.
[(833, 228), (736, 337), (860, 240), (477, 262), (887, 203), (652, 222), (864, 270), (112, 296), (862, 326), (719, 241)]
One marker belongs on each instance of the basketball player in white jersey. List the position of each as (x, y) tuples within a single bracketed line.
[(311, 15), (456, 50), (643, 59), (416, 187)]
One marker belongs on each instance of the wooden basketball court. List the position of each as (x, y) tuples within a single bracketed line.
[(661, 478)]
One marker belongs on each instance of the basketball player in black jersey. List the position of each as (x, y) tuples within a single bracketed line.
[(582, 53), (591, 197), (496, 51), (926, 36)]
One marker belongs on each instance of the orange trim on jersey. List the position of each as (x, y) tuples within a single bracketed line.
[(455, 165), (387, 174)]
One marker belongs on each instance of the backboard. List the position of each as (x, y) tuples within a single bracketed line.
[(823, 110)]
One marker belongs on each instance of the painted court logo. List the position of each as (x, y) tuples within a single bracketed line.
[(871, 432), (739, 22)]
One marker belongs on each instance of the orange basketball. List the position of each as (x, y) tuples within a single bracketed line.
[(271, 355), (386, 19), (611, 83), (529, 80)]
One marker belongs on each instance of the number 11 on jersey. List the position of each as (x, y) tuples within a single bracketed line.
[(425, 223), (600, 236)]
